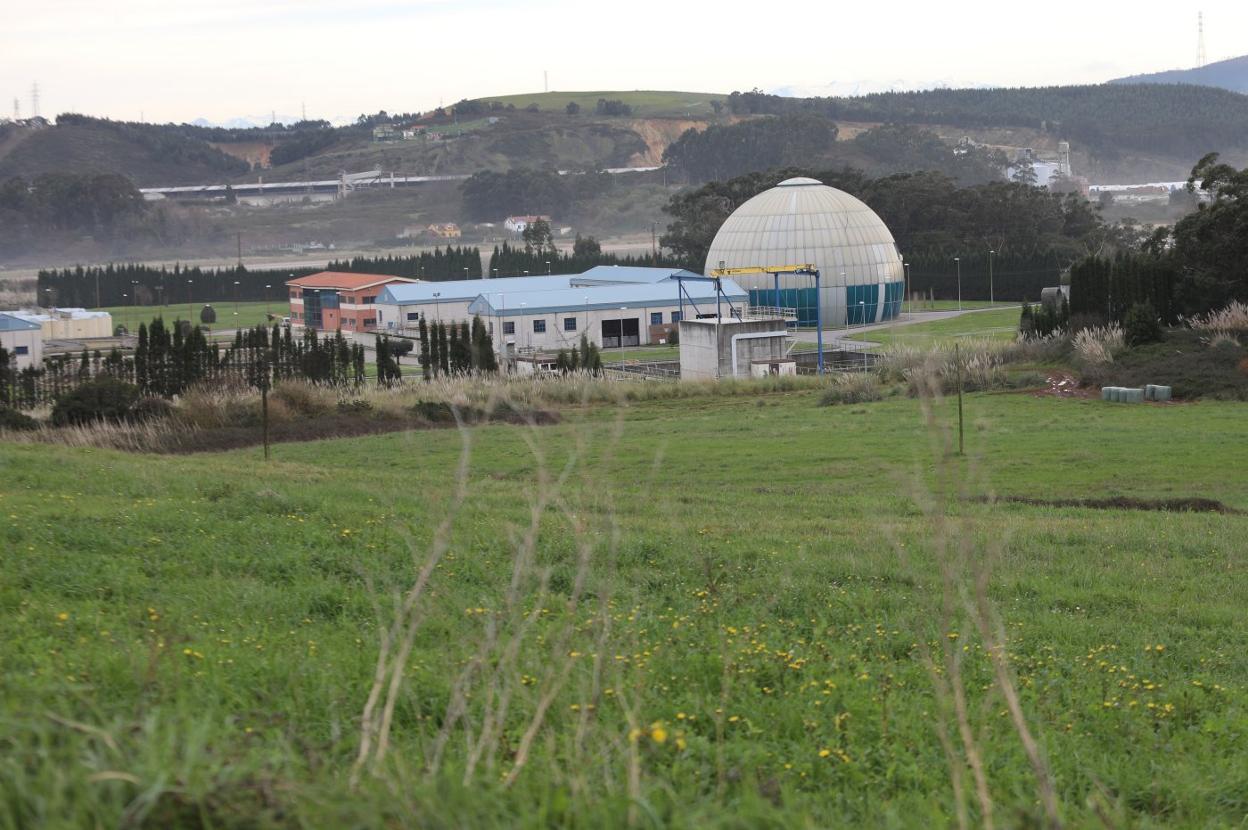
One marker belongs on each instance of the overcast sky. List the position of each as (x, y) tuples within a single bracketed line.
[(177, 60)]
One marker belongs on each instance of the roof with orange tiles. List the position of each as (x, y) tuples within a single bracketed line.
[(343, 280)]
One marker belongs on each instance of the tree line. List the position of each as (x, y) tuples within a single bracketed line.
[(450, 348), (1034, 233), (1198, 265), (1106, 118), (99, 204), (135, 284)]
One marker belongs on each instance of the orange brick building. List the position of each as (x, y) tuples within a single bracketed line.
[(333, 300)]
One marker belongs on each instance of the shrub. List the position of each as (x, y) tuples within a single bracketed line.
[(1141, 325), (150, 408), (303, 398), (1097, 345), (850, 388), (1232, 318), (100, 399), (11, 419), (354, 407)]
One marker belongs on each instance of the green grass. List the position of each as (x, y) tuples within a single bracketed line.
[(249, 314), (643, 354), (645, 103), (1001, 324), (190, 640)]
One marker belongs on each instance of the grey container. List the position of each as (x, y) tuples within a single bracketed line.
[(1161, 393), (1107, 393), (1132, 396)]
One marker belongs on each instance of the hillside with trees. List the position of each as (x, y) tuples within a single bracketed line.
[(1229, 74)]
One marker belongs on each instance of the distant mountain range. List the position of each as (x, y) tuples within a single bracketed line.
[(1229, 74)]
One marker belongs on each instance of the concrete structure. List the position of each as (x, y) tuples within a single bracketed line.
[(22, 339), (617, 306), (333, 300), (69, 323), (726, 347), (802, 221)]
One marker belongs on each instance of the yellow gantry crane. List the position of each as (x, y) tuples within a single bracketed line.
[(776, 270)]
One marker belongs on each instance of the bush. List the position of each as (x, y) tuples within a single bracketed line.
[(302, 397), (150, 408), (15, 421), (398, 348), (100, 399), (1141, 325), (851, 387)]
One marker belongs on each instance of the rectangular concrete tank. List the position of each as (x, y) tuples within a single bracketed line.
[(723, 348)]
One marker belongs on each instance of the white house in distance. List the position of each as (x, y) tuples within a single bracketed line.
[(615, 306), (517, 224), (23, 340)]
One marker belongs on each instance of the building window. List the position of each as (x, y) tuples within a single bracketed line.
[(656, 318), (369, 300), (509, 327), (569, 324), (348, 299), (369, 322), (413, 316), (675, 316), (21, 349), (294, 293), (539, 326)]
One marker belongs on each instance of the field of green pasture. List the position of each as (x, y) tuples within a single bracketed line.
[(710, 612), (997, 324), (248, 314)]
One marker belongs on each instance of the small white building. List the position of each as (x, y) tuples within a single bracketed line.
[(23, 340), (517, 224)]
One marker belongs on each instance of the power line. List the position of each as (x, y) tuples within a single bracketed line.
[(34, 100), (1200, 40)]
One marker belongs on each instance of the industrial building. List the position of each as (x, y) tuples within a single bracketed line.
[(333, 300), (22, 339), (68, 323), (803, 221), (615, 306)]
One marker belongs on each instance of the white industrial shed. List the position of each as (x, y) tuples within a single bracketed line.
[(616, 306), (23, 340)]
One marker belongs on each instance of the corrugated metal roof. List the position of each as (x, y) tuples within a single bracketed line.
[(9, 322), (633, 295), (461, 290), (606, 274)]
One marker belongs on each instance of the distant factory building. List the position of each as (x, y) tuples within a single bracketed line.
[(333, 300), (23, 340), (614, 306), (69, 323)]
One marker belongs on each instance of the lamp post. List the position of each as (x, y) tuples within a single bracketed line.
[(135, 290), (465, 272), (548, 267), (189, 312), (991, 295), (909, 299), (437, 306), (266, 300), (235, 300), (958, 261)]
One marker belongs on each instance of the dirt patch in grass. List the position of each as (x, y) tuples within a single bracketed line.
[(1063, 385), (1187, 505)]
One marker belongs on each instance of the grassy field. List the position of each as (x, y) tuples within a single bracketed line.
[(645, 103), (1000, 324), (249, 314), (730, 615)]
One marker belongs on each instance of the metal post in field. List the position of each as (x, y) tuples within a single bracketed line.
[(957, 359)]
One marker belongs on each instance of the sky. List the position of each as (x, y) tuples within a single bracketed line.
[(178, 60)]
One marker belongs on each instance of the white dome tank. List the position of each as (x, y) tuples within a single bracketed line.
[(802, 221)]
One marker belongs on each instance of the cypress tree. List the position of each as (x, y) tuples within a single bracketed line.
[(444, 357)]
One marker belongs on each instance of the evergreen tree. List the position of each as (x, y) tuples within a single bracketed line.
[(444, 356)]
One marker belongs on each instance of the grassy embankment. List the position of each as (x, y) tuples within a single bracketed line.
[(194, 638)]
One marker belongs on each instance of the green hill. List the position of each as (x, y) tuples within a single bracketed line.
[(645, 103)]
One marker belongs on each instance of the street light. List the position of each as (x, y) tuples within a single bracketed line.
[(991, 297), (548, 267), (465, 272), (958, 261), (909, 299), (267, 313), (189, 312), (437, 306), (235, 299)]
